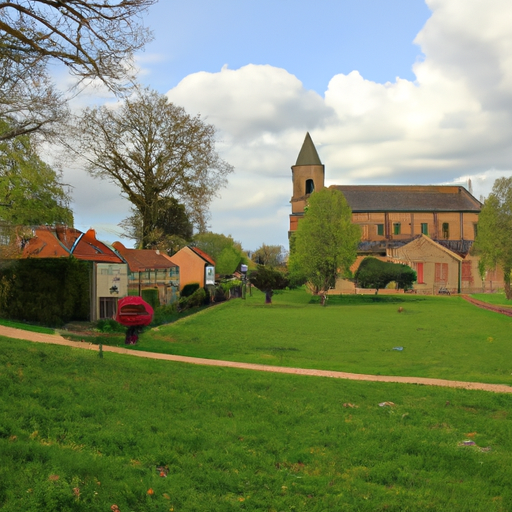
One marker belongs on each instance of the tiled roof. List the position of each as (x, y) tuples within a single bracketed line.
[(89, 248), (44, 244), (59, 242), (408, 198), (203, 255), (141, 259)]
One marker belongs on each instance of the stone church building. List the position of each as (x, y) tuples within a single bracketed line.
[(428, 227)]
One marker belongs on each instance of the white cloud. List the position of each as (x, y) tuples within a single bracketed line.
[(453, 122), (251, 102)]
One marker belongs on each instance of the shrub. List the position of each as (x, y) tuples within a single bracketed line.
[(374, 273), (199, 298), (109, 325), (165, 314), (220, 294), (189, 289)]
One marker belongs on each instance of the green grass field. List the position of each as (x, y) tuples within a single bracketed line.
[(493, 298), (81, 433), (442, 337)]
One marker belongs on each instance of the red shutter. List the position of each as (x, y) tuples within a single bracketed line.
[(419, 271), (466, 271), (441, 275)]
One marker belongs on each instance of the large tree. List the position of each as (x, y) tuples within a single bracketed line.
[(153, 150), (29, 102), (271, 255), (94, 40), (172, 227), (325, 243), (31, 192), (493, 243), (224, 250)]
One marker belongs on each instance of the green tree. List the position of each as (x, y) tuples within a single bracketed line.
[(271, 255), (226, 252), (30, 190), (325, 243), (93, 40), (172, 227), (153, 150), (493, 243), (375, 273), (268, 279)]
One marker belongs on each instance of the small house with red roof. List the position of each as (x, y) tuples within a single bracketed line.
[(151, 269), (195, 267), (109, 271)]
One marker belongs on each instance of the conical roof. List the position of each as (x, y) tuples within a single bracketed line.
[(308, 154)]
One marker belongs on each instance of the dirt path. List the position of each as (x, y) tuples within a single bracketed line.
[(504, 310), (55, 339)]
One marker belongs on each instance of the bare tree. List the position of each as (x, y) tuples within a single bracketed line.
[(93, 39), (154, 150), (29, 102)]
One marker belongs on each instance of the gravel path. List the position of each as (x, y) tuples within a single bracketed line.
[(55, 339)]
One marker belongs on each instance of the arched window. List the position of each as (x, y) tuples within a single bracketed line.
[(310, 186)]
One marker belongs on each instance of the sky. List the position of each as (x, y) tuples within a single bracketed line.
[(391, 91)]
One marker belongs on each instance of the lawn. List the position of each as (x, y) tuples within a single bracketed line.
[(493, 298), (83, 433), (440, 337)]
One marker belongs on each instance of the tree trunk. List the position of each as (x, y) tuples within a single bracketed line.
[(506, 280), (268, 296)]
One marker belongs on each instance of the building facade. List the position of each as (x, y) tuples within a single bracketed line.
[(429, 227), (109, 271)]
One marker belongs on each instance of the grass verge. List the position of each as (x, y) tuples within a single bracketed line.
[(82, 433), (439, 337)]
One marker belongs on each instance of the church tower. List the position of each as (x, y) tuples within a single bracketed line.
[(308, 175)]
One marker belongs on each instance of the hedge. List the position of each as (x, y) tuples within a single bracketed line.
[(49, 291)]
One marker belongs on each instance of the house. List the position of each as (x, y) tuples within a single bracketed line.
[(195, 267), (109, 271), (151, 269), (429, 227)]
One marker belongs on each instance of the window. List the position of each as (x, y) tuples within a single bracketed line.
[(107, 307), (380, 229), (397, 228), (310, 186), (446, 230), (467, 274), (424, 228), (475, 229), (441, 275)]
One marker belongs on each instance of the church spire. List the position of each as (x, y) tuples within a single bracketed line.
[(308, 154)]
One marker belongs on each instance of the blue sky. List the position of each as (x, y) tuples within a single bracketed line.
[(392, 92), (311, 40)]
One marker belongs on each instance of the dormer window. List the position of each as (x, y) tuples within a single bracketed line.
[(310, 186)]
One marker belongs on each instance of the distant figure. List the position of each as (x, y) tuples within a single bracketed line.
[(132, 335)]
